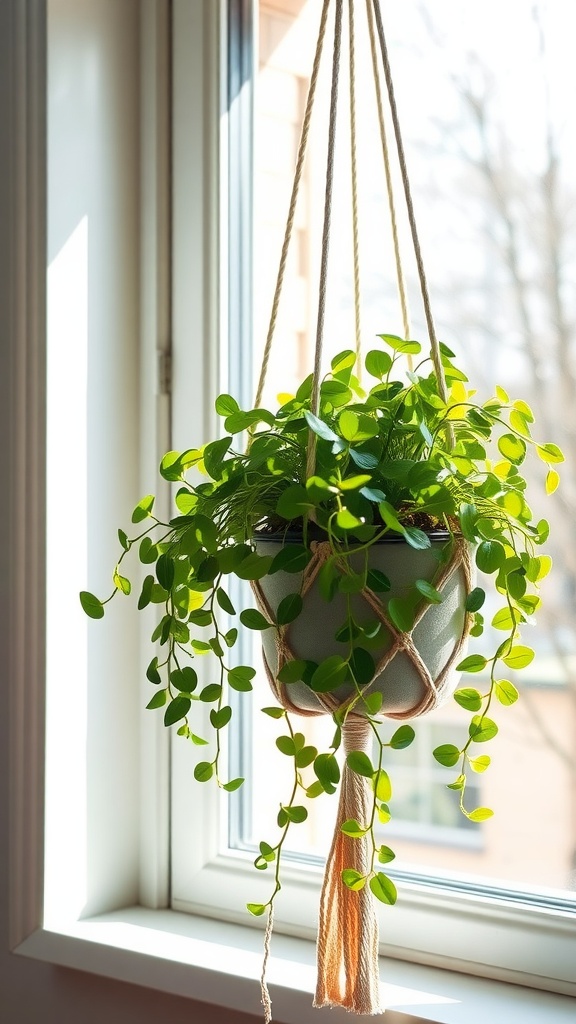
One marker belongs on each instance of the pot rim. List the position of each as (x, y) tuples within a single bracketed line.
[(296, 537)]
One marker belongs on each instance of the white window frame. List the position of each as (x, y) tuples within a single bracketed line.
[(133, 937)]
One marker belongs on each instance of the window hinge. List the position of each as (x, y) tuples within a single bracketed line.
[(164, 373)]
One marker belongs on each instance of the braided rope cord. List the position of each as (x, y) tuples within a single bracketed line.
[(315, 396), (354, 177), (302, 147), (401, 283), (434, 344)]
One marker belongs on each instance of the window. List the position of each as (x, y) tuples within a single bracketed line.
[(512, 864), (115, 851)]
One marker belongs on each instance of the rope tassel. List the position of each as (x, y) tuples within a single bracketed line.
[(348, 973)]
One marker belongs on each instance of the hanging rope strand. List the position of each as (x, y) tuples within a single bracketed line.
[(293, 201), (314, 400), (355, 244), (434, 346), (403, 298)]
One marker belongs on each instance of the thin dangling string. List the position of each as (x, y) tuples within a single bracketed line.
[(315, 396), (354, 175), (402, 296), (293, 201), (434, 346)]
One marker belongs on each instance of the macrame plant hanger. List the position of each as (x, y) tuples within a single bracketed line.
[(348, 973)]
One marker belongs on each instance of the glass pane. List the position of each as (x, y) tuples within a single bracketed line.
[(485, 94)]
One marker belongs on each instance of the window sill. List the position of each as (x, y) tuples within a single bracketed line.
[(220, 963)]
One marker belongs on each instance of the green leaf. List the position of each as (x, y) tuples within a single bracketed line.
[(512, 448), (233, 785), (362, 666), (353, 879), (211, 693), (475, 599), (121, 583), (549, 453), (185, 501), (383, 888), (480, 814), (473, 663), (170, 468), (348, 424), (165, 572), (143, 509), (378, 363), (220, 719), (225, 602), (91, 605), (385, 854), (382, 785), (274, 712), (184, 679), (203, 771), (291, 558), (305, 756), (327, 771), (363, 459), (429, 592), (479, 764), (482, 729), (296, 814), (378, 581), (401, 345), (468, 517), (552, 481), (294, 502), (519, 657), (506, 692), (254, 567), (256, 909), (490, 556), (506, 618), (148, 551), (401, 611), (253, 619), (353, 829), (402, 738), (289, 609), (239, 678), (447, 754), (330, 673), (458, 784), (291, 671), (319, 427), (158, 700), (152, 673), (225, 405), (469, 699), (346, 520), (373, 702), (286, 745), (213, 455), (146, 592), (384, 814), (177, 709), (360, 763)]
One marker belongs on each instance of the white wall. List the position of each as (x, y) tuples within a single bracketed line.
[(33, 992)]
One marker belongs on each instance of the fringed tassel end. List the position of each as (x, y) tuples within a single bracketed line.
[(348, 972)]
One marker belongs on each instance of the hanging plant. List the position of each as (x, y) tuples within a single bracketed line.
[(388, 494), (359, 512)]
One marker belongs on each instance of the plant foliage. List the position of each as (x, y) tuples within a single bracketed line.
[(393, 458)]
